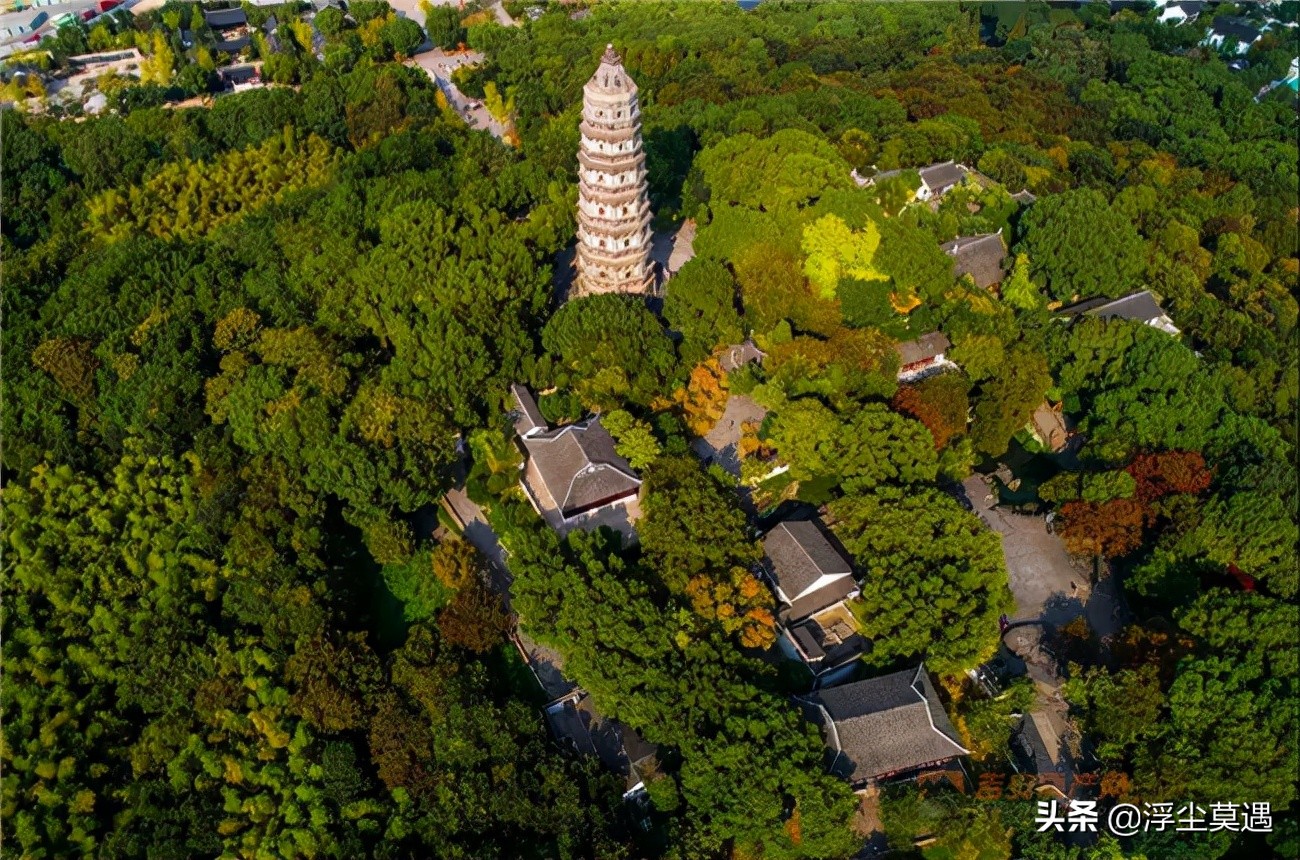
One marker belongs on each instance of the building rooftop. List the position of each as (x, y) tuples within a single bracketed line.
[(939, 177), (809, 572), (924, 348), (1235, 28), (580, 467), (610, 77), (1139, 307), (829, 639), (528, 418), (978, 256), (885, 726), (224, 19)]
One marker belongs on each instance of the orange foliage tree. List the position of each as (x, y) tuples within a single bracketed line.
[(704, 398), (738, 602), (1169, 472), (1109, 529)]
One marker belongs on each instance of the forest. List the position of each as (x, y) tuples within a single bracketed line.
[(248, 347)]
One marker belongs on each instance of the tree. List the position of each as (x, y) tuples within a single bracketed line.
[(939, 402), (704, 398), (872, 447), (158, 66), (1159, 474), (1006, 402), (609, 347), (1080, 245), (633, 438), (475, 619), (1109, 529), (456, 562), (934, 579), (835, 252), (443, 25), (1019, 290), (701, 307)]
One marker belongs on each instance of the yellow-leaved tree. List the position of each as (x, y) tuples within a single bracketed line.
[(833, 251), (157, 67)]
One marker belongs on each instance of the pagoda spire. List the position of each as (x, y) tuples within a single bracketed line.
[(613, 199)]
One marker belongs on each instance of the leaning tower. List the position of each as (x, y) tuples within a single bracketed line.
[(613, 206)]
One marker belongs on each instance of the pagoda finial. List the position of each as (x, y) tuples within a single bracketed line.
[(611, 56)]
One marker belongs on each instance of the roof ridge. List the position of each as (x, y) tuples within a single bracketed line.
[(925, 702)]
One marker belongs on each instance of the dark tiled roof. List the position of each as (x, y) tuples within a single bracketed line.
[(825, 649), (940, 177), (238, 74), (223, 19), (740, 355), (800, 555), (886, 725), (1024, 197), (580, 467), (233, 46), (978, 256), (527, 416), (1191, 8), (925, 347), (815, 601), (1140, 307), (1233, 28)]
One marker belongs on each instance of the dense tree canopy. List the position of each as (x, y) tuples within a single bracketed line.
[(249, 340)]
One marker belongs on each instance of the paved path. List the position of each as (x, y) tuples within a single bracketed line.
[(547, 664), (478, 532), (439, 65), (721, 444), (1049, 585)]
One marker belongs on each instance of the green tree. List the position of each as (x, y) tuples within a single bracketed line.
[(701, 306), (609, 347), (1080, 245), (935, 581)]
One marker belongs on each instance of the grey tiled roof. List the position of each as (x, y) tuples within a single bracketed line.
[(1140, 307), (221, 19), (815, 601), (580, 467), (925, 347), (886, 725), (1230, 28), (799, 554), (940, 177), (527, 416), (978, 256)]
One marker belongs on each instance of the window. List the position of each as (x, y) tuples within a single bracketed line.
[(602, 210)]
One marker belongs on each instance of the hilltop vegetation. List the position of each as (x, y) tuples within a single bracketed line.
[(245, 344)]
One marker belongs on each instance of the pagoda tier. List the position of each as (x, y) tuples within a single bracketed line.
[(614, 215)]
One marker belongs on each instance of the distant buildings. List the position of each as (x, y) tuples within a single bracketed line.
[(1181, 13), (882, 728), (980, 257), (936, 179), (1139, 307), (230, 27), (1235, 35), (923, 356)]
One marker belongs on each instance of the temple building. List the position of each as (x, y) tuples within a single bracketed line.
[(613, 204)]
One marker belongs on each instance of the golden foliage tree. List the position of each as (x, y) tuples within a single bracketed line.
[(704, 398)]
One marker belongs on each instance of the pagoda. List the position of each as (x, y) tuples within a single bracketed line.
[(613, 204)]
